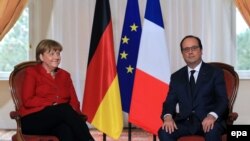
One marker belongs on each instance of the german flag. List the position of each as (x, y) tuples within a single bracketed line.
[(102, 102)]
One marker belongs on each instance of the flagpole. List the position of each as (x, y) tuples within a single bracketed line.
[(154, 137), (104, 137), (129, 131)]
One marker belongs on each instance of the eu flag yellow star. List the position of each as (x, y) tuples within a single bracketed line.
[(123, 55), (125, 40), (129, 69), (134, 27)]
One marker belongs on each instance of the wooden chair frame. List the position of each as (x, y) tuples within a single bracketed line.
[(15, 88)]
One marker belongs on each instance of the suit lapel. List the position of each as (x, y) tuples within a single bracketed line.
[(201, 77)]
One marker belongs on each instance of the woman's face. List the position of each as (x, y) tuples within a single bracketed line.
[(50, 59)]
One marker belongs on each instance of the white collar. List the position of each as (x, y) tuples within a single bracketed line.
[(197, 68)]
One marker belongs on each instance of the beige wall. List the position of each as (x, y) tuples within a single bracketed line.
[(6, 105), (241, 105)]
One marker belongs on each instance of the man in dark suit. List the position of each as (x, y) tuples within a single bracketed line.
[(200, 92)]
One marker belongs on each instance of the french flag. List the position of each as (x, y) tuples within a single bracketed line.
[(152, 75)]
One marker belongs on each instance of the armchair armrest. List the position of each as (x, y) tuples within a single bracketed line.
[(232, 117), (14, 115)]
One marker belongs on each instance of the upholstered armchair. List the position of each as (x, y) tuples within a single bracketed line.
[(15, 82), (232, 84)]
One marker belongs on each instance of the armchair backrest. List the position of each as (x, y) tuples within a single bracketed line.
[(232, 82), (16, 82)]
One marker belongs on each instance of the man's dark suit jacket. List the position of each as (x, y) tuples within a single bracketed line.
[(209, 95)]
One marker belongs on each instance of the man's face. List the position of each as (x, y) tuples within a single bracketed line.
[(191, 52)]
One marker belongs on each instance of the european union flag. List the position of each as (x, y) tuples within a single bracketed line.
[(128, 52)]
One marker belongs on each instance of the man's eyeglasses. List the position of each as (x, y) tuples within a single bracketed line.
[(187, 49)]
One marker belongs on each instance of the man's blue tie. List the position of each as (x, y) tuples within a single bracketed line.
[(192, 82), (192, 118)]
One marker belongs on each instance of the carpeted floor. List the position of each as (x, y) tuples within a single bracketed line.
[(5, 135), (136, 135)]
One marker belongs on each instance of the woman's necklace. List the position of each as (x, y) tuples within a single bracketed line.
[(53, 73)]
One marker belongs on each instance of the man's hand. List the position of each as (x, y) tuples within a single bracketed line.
[(208, 123), (169, 124)]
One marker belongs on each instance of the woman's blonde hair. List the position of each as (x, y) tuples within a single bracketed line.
[(47, 45)]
